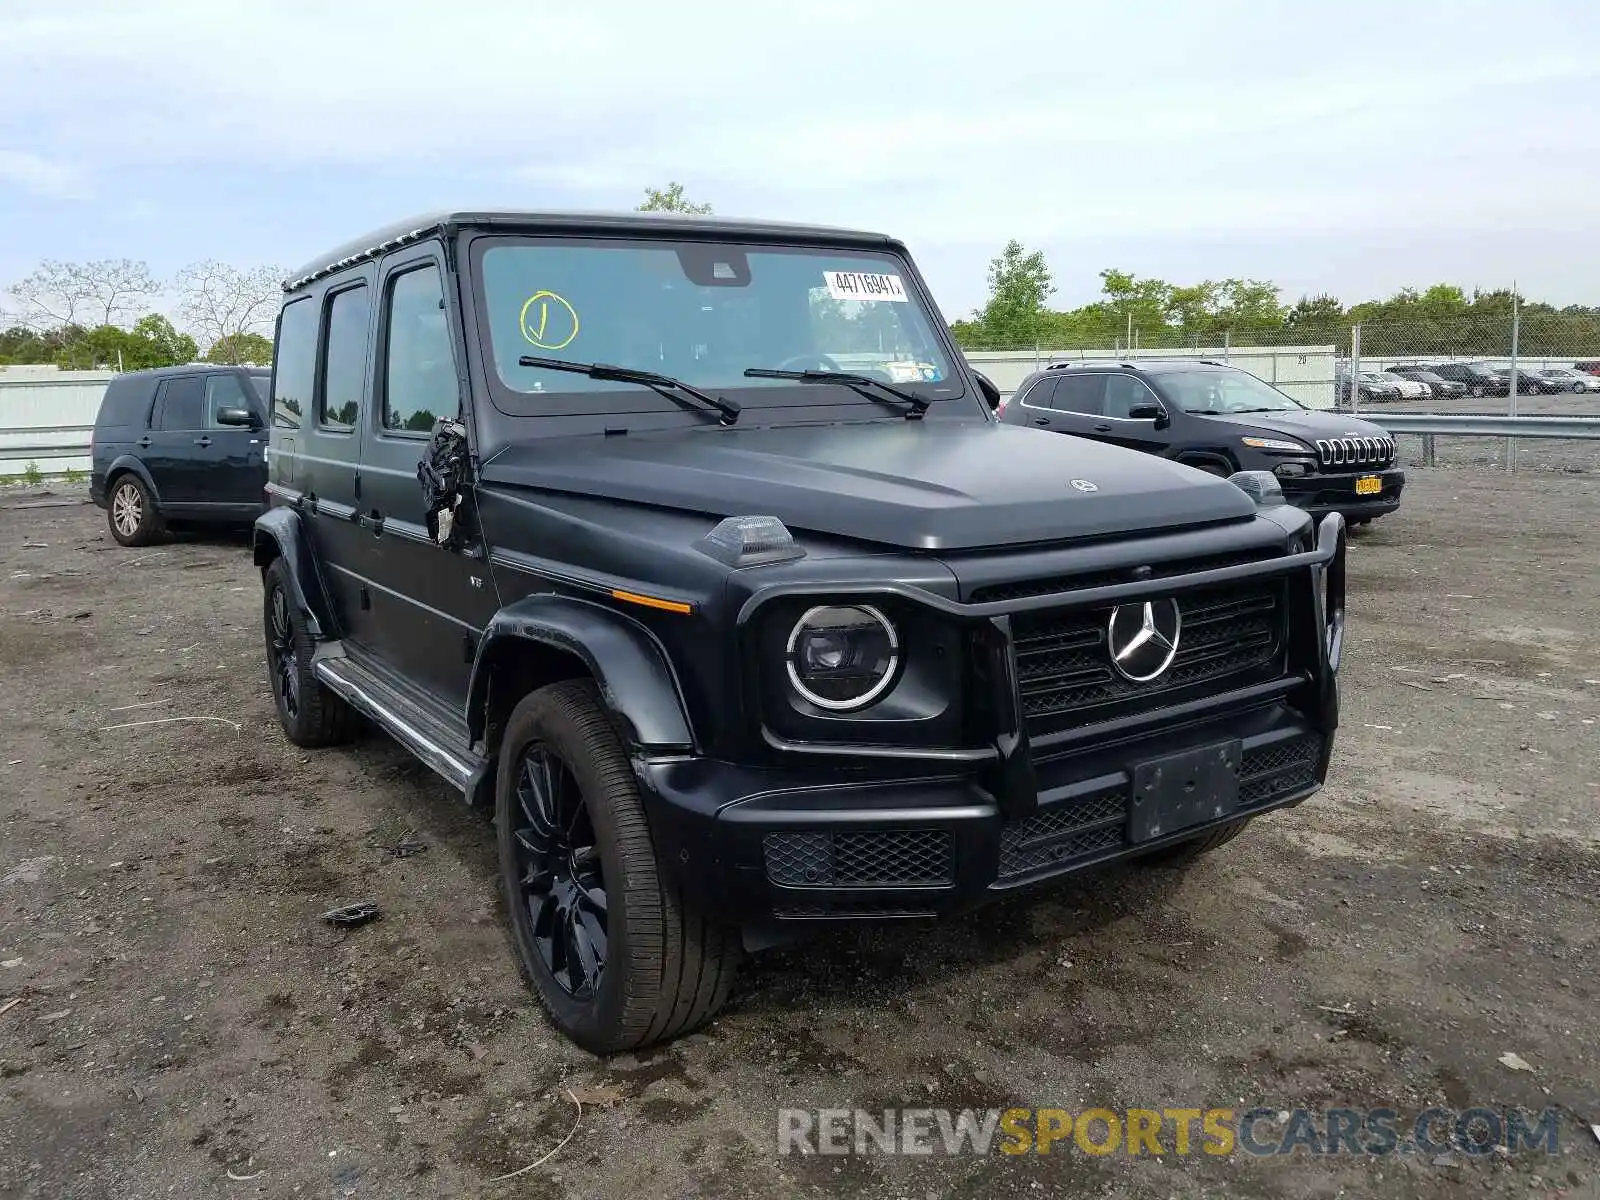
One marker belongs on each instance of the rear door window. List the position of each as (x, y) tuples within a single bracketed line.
[(344, 358), (1081, 394), (180, 404)]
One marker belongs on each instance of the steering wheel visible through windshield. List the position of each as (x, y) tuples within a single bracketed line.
[(1202, 391), (703, 313)]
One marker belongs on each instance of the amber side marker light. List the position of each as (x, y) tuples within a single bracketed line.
[(675, 606)]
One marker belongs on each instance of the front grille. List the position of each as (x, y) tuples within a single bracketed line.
[(1058, 836), (1064, 665), (872, 858), (1353, 452), (1269, 771), (1023, 589)]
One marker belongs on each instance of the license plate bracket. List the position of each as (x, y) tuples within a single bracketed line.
[(1368, 485), (1177, 791)]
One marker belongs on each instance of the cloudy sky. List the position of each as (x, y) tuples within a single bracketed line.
[(1353, 147)]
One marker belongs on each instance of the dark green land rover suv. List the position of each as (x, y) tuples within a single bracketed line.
[(692, 550)]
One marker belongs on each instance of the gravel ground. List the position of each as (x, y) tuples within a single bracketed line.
[(176, 1021)]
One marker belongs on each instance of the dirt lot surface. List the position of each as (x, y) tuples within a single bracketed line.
[(176, 1021)]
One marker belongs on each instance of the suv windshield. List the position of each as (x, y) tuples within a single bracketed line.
[(703, 313), (1222, 392)]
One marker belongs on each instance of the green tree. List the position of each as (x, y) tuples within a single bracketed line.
[(671, 199), (152, 342), (1019, 284), (241, 348)]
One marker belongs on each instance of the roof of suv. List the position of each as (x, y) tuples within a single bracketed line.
[(193, 369), (412, 229), (1153, 366)]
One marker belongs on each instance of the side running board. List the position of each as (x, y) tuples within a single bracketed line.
[(419, 731)]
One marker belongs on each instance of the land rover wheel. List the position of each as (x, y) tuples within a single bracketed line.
[(310, 714), (131, 512), (1180, 856), (616, 955)]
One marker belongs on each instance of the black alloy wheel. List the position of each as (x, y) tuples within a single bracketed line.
[(559, 871)]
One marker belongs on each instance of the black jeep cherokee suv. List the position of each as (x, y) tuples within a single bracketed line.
[(691, 549), (1219, 419)]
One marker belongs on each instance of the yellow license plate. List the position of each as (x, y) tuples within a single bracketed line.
[(1368, 485)]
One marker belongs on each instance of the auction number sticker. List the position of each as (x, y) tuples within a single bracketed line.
[(861, 285)]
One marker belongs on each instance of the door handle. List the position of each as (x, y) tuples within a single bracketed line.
[(375, 518), (1041, 420), (1102, 429), (143, 443), (202, 441)]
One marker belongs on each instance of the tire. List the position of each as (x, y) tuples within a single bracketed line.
[(310, 714), (1184, 853), (131, 513), (1210, 467), (616, 955), (1476, 391)]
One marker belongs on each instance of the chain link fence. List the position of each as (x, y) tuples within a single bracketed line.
[(1443, 364)]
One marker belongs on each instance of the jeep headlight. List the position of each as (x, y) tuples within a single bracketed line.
[(1263, 443), (842, 657)]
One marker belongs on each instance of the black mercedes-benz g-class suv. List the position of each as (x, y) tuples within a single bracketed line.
[(1219, 419), (692, 549)]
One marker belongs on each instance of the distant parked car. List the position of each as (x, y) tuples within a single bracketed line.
[(1410, 389), (1370, 389), (1442, 388), (1529, 382), (179, 444), (1591, 367), (1573, 381), (1479, 378)]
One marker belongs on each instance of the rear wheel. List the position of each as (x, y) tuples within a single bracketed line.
[(310, 714), (618, 957), (131, 512), (1180, 856)]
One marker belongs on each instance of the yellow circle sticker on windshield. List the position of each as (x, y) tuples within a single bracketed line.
[(549, 321)]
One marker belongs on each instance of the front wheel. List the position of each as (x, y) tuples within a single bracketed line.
[(618, 957), (1476, 391)]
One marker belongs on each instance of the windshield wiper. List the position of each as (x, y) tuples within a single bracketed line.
[(861, 383), (1249, 410), (685, 394)]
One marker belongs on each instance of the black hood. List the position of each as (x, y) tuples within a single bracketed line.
[(928, 485), (1308, 424)]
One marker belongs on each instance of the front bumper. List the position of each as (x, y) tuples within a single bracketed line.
[(777, 848), (805, 849), (1323, 494)]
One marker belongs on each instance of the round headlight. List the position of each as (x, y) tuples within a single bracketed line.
[(842, 657)]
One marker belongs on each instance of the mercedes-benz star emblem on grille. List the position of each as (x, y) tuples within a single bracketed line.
[(1144, 638), (1083, 485)]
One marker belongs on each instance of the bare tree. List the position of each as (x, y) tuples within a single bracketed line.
[(221, 303), (108, 291)]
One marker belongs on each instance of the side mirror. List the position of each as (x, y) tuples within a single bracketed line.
[(1150, 412), (991, 394), (239, 417)]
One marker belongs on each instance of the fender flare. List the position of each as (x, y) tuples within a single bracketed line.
[(131, 463), (1193, 458), (635, 676), (281, 533)]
